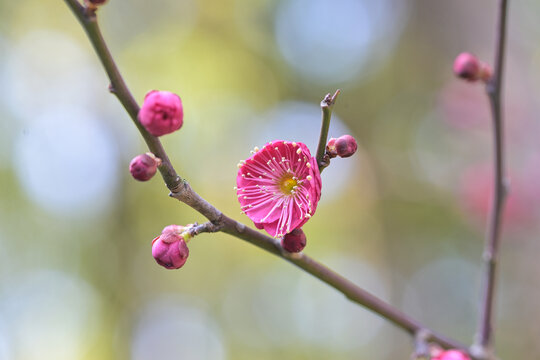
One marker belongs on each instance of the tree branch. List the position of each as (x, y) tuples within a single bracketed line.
[(484, 338), (118, 87), (182, 191)]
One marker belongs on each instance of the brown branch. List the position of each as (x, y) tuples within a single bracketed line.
[(484, 338), (182, 191)]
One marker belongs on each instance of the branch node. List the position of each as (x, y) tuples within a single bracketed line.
[(506, 186), (176, 191), (240, 227), (329, 99), (480, 352), (421, 344)]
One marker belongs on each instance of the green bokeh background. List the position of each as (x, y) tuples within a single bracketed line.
[(77, 280)]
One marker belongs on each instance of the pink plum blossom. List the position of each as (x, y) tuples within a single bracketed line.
[(279, 186), (170, 249), (161, 113)]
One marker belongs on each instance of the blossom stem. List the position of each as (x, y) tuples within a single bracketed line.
[(484, 337), (327, 104), (118, 87), (182, 191)]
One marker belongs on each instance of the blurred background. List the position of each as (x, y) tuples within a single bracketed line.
[(403, 218)]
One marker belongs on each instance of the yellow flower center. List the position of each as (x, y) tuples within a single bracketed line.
[(287, 184)]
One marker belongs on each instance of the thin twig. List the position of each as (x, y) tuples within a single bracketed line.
[(182, 191), (207, 227), (484, 337), (327, 104), (119, 88)]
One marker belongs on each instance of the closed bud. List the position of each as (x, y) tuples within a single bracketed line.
[(467, 66), (94, 3), (161, 113), (486, 72), (144, 166), (170, 249), (346, 146), (295, 241), (331, 148), (451, 355), (172, 233)]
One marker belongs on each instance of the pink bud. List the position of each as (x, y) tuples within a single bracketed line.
[(331, 148), (172, 233), (144, 166), (94, 3), (161, 113), (467, 67), (486, 72), (170, 251), (346, 146), (452, 355), (294, 241)]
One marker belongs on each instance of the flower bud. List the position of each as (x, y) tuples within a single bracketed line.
[(346, 146), (467, 66), (94, 3), (161, 113), (486, 72), (144, 166), (331, 148), (172, 233), (451, 355), (295, 241), (170, 249)]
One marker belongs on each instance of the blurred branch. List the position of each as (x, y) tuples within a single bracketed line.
[(484, 337), (182, 191), (326, 106)]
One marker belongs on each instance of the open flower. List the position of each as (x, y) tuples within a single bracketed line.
[(279, 187)]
